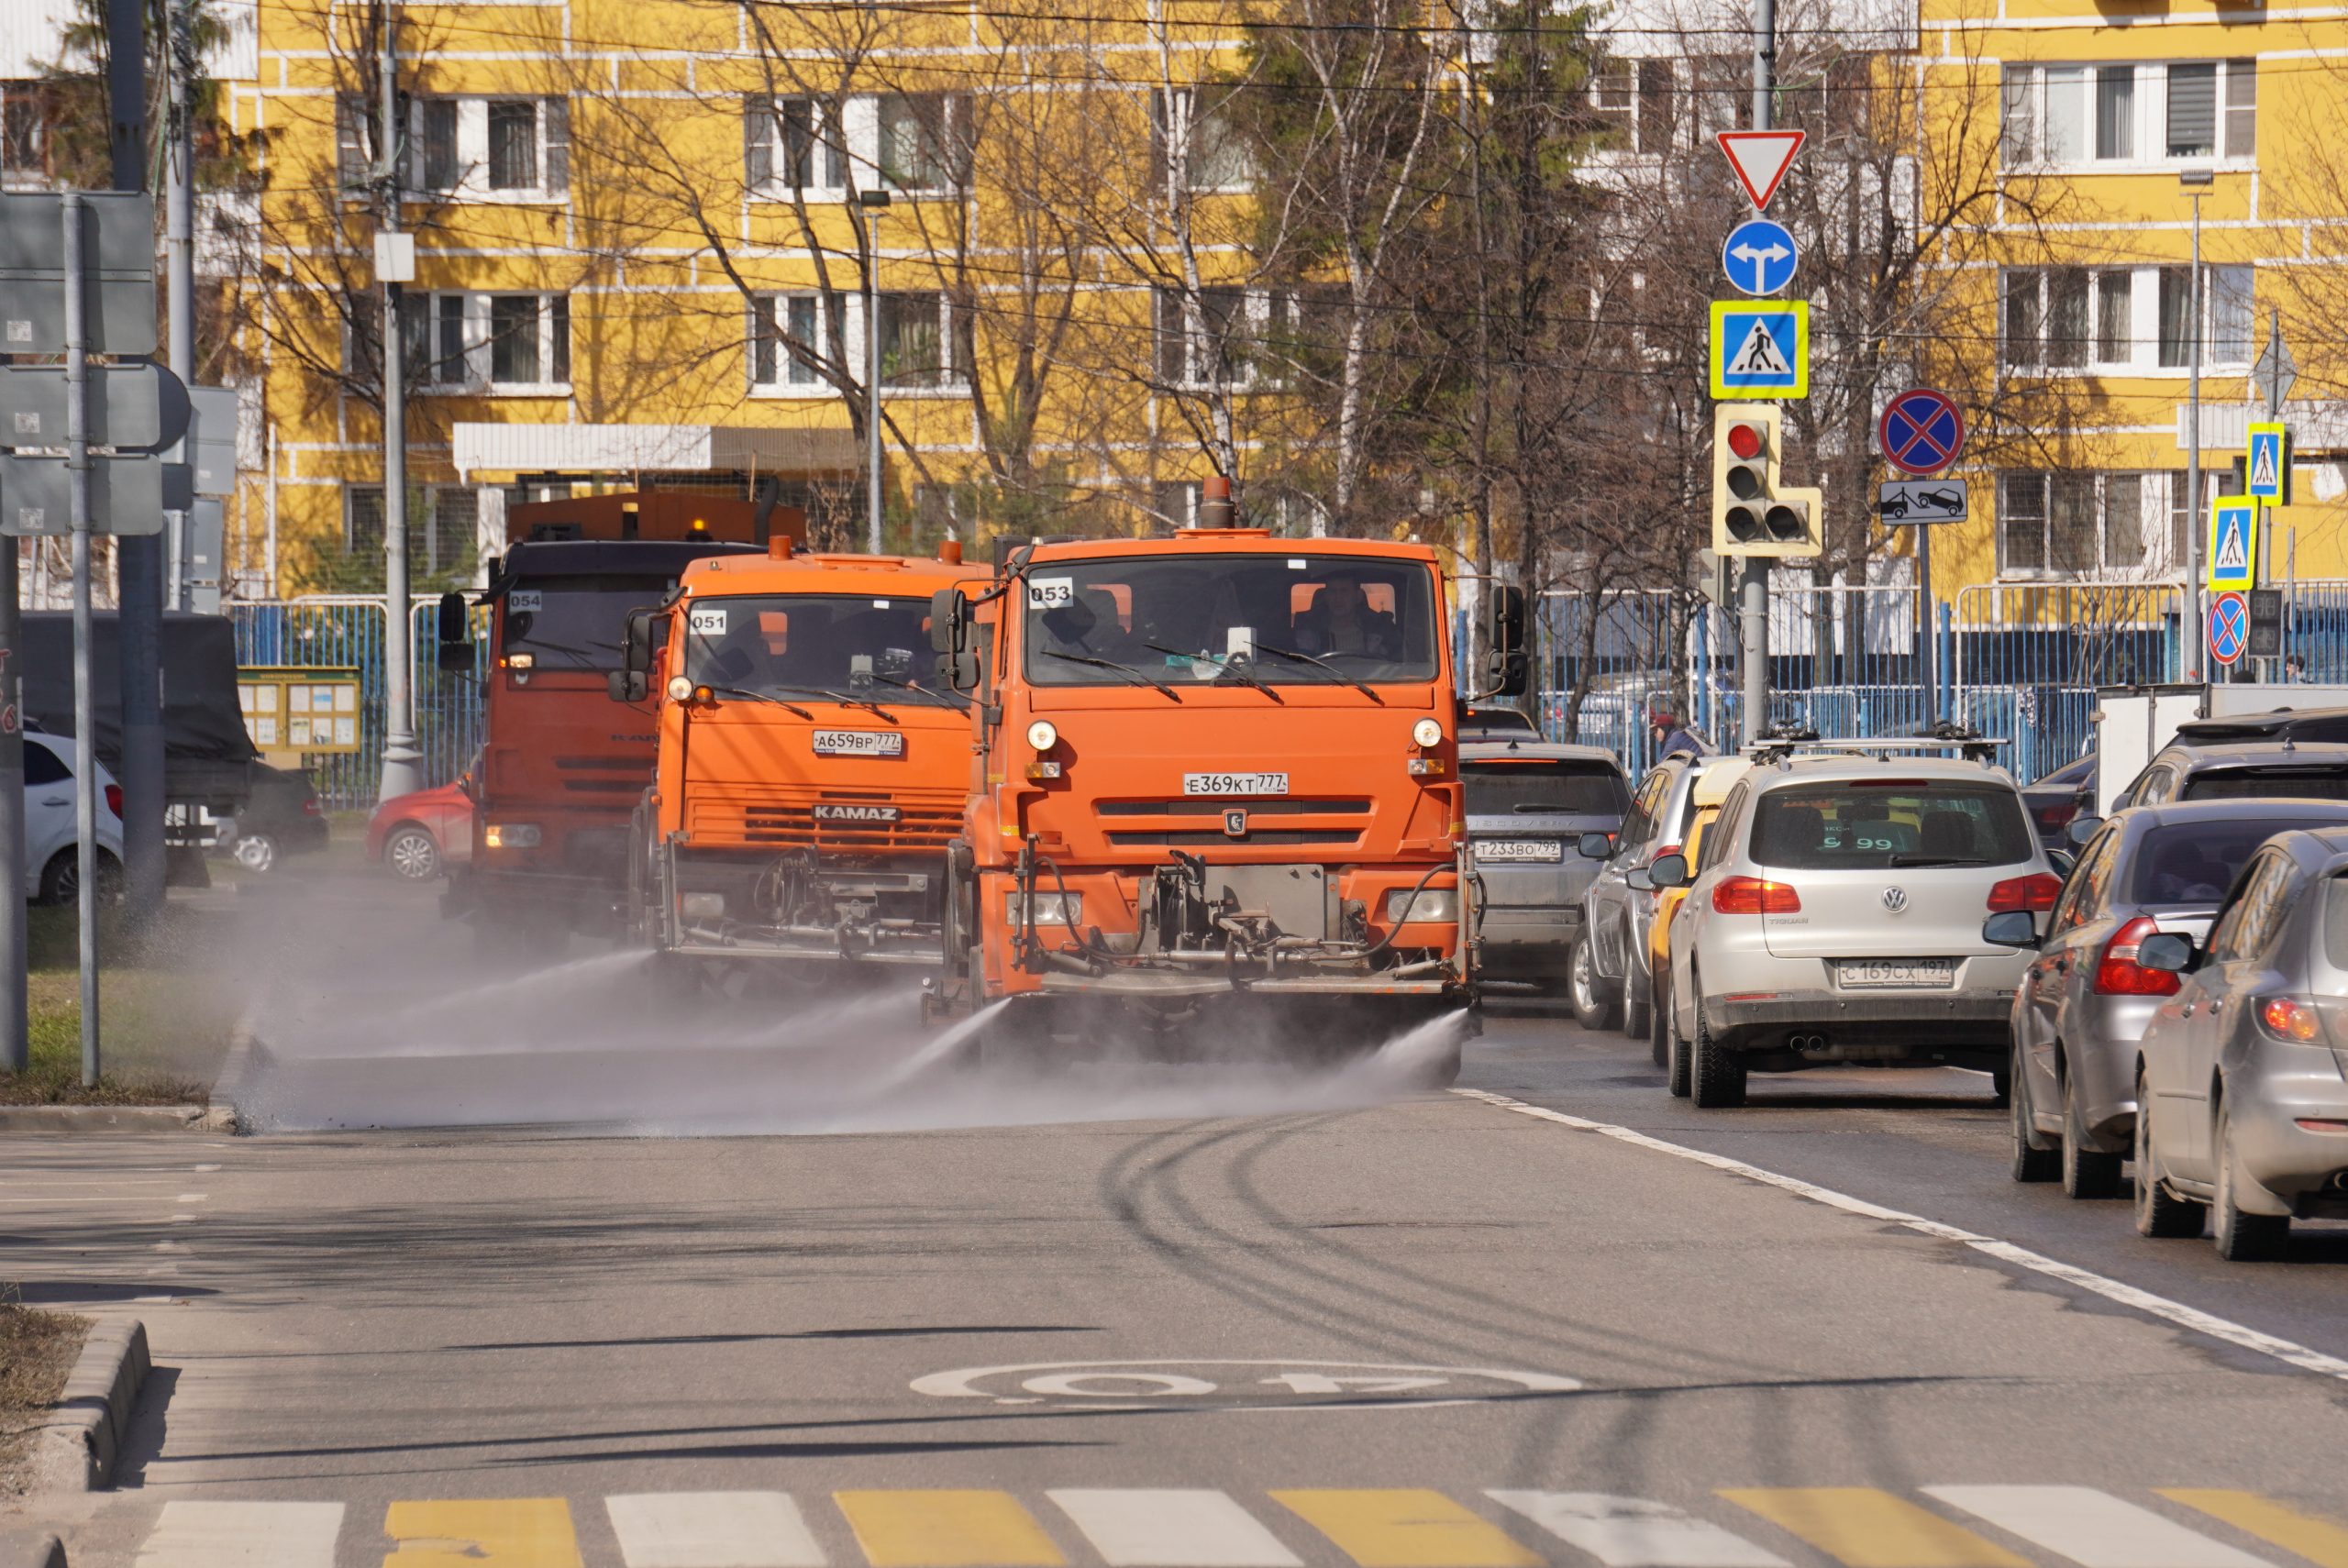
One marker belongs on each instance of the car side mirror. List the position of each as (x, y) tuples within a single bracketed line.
[(1671, 871), (455, 623), (1506, 668), (2015, 928), (1639, 880), (626, 686), (1595, 847), (949, 639), (2082, 829), (2166, 950), (2064, 862)]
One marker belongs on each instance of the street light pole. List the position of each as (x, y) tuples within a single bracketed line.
[(2196, 184), (1753, 590), (875, 205), (400, 757)]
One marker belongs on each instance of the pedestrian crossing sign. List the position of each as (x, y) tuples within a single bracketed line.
[(1760, 348), (2234, 543), (2267, 470)]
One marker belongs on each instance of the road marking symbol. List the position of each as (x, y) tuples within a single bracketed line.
[(1241, 1384), (2092, 1528), (2161, 1307)]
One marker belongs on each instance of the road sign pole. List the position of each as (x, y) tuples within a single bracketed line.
[(85, 739), (15, 1045), (1753, 594)]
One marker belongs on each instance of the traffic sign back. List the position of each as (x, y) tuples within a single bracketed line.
[(1921, 432)]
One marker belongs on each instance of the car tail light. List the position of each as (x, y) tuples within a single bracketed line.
[(114, 798), (1661, 850), (1751, 895), (2057, 816), (2034, 892), (310, 807), (2287, 1018), (2116, 973)]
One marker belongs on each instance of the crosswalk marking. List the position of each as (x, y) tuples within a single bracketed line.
[(1137, 1527), (946, 1530), (1405, 1527), (1632, 1532), (243, 1535), (2320, 1540), (501, 1533), (711, 1529), (1868, 1528), (2092, 1528)]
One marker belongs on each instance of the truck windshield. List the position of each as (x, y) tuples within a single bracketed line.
[(575, 621), (1289, 620), (805, 644)]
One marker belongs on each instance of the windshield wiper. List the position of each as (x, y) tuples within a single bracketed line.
[(763, 697), (841, 697), (1228, 666), (1914, 862), (1128, 671), (1361, 686), (924, 691)]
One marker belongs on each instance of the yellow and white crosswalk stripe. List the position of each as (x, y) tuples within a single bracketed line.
[(1405, 1527), (192, 1534), (2320, 1541), (946, 1530), (490, 1532), (1632, 1532), (1172, 1529), (1863, 1528), (711, 1529), (2092, 1528)]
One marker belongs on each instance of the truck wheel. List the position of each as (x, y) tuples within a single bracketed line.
[(1590, 1010), (1717, 1079), (2087, 1172)]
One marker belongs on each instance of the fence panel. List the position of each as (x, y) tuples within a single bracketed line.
[(2029, 658)]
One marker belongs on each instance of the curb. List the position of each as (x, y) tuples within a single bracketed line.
[(78, 1448), (94, 1118), (31, 1551), (228, 1083)]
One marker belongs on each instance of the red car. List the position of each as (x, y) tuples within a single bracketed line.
[(418, 834)]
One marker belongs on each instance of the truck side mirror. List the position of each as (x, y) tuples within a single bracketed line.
[(949, 639), (632, 682), (1505, 664), (455, 625)]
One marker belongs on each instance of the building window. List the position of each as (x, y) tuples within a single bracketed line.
[(1634, 96), (1198, 127), (788, 144), (917, 342), (513, 337), (2184, 513), (2129, 113), (506, 146), (2225, 315), (2082, 524), (23, 132), (777, 322), (2058, 318), (1202, 338), (923, 140), (501, 342)]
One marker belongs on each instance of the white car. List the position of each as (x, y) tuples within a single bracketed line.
[(52, 870)]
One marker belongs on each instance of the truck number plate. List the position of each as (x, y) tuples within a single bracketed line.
[(1902, 974), (858, 742), (1234, 783), (1501, 850)]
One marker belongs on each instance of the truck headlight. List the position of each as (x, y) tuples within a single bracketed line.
[(1043, 735), (1428, 904), (1427, 732), (702, 906), (512, 835), (1051, 909), (681, 689)]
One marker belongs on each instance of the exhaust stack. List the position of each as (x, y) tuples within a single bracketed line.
[(1216, 510)]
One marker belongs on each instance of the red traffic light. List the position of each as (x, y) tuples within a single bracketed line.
[(1746, 440)]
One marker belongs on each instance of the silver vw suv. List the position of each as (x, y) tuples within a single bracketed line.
[(1835, 918)]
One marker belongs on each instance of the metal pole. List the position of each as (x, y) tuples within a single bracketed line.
[(179, 257), (400, 756), (1753, 594), (2195, 509), (1928, 632), (15, 1045), (872, 214), (85, 747)]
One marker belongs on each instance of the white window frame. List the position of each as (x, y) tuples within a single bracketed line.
[(864, 131), (474, 315), (2141, 332), (792, 377), (1172, 118), (471, 152), (1252, 324), (2155, 509), (829, 155), (2029, 90), (957, 383), (1622, 92)]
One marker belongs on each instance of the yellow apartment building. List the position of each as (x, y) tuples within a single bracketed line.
[(641, 233), (2114, 119)]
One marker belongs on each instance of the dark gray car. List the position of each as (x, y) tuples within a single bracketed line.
[(1528, 802), (2236, 770), (2083, 1004), (2244, 1073)]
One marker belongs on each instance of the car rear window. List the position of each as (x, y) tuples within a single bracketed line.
[(2336, 922), (1506, 789), (2268, 784), (2195, 863), (1864, 825)]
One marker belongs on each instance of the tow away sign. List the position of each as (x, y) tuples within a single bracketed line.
[(1760, 348), (1912, 501)]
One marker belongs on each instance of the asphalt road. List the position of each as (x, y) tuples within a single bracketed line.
[(1127, 1316)]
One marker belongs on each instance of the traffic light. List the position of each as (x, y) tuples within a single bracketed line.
[(1753, 515)]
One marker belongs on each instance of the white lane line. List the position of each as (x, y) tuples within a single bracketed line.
[(205, 1170), (195, 1196), (2161, 1307), (243, 1535), (1632, 1532), (1145, 1527), (711, 1529), (2093, 1529)]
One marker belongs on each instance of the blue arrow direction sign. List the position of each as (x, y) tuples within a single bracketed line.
[(1759, 257)]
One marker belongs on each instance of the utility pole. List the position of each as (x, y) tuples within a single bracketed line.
[(400, 756), (138, 560), (179, 245), (2196, 183), (86, 726), (1753, 593), (875, 204)]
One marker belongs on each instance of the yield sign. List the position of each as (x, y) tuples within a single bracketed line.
[(1760, 159)]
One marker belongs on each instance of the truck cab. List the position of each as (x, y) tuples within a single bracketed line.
[(810, 773), (1213, 775)]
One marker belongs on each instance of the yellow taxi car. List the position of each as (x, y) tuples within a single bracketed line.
[(1711, 788)]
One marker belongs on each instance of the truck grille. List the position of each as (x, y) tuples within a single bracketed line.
[(1285, 820), (924, 821), (635, 773)]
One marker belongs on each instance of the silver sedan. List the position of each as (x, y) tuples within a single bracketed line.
[(2241, 1074), (2085, 999)]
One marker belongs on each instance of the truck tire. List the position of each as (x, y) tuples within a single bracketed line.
[(1717, 1076), (1591, 1009)]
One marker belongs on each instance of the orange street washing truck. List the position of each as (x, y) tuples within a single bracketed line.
[(811, 771), (562, 766), (1215, 792)]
